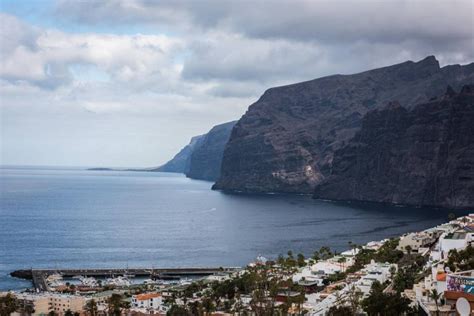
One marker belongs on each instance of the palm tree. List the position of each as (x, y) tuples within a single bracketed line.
[(91, 308), (114, 305), (434, 295), (208, 305), (342, 260)]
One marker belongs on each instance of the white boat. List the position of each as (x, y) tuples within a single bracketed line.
[(118, 281), (54, 277), (185, 281), (91, 282)]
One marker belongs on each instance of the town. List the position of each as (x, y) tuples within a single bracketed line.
[(420, 273)]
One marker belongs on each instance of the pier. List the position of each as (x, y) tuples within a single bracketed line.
[(38, 276)]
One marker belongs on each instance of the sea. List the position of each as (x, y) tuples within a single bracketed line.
[(77, 218)]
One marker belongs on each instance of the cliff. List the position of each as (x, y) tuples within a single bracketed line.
[(202, 157), (206, 158), (286, 140), (181, 161), (421, 156)]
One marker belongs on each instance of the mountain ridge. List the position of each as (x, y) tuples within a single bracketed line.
[(286, 140)]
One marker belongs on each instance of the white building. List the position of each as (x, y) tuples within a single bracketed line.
[(148, 301), (416, 241), (454, 240), (374, 271)]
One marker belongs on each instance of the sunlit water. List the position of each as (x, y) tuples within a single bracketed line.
[(76, 218)]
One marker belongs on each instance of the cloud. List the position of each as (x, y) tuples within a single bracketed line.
[(279, 41), (298, 20), (46, 57), (148, 75)]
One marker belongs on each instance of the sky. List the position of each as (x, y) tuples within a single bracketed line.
[(127, 83)]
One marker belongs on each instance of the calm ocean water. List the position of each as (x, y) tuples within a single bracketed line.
[(75, 218)]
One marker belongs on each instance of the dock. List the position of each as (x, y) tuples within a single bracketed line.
[(39, 276)]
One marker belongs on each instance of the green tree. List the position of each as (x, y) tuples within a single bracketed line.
[(325, 253), (340, 311), (435, 296), (176, 310), (68, 313), (379, 303), (461, 260), (8, 304), (408, 249), (208, 305), (290, 254), (115, 305), (91, 308), (195, 308), (353, 299), (300, 260), (342, 261)]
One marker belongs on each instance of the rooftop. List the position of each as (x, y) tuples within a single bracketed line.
[(456, 235), (146, 296)]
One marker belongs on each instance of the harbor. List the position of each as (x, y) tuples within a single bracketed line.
[(44, 279)]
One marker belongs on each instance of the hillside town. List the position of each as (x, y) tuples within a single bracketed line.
[(421, 273)]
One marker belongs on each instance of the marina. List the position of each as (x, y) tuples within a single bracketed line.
[(43, 279)]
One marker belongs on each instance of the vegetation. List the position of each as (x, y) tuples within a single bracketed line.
[(91, 308), (461, 260), (8, 305), (116, 304), (340, 311), (435, 296), (261, 284), (387, 253), (409, 272), (177, 310), (380, 303)]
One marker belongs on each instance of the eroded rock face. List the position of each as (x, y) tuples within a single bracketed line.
[(286, 140), (421, 156), (206, 158), (180, 163), (202, 157)]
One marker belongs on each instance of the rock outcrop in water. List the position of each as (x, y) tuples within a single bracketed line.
[(202, 157), (286, 140), (422, 156)]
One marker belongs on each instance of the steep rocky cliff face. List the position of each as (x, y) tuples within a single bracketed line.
[(286, 140), (202, 157), (181, 161), (421, 156), (206, 158)]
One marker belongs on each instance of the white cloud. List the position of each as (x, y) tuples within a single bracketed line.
[(155, 73), (45, 57)]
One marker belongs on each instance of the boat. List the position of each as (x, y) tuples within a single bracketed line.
[(90, 282), (118, 281)]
